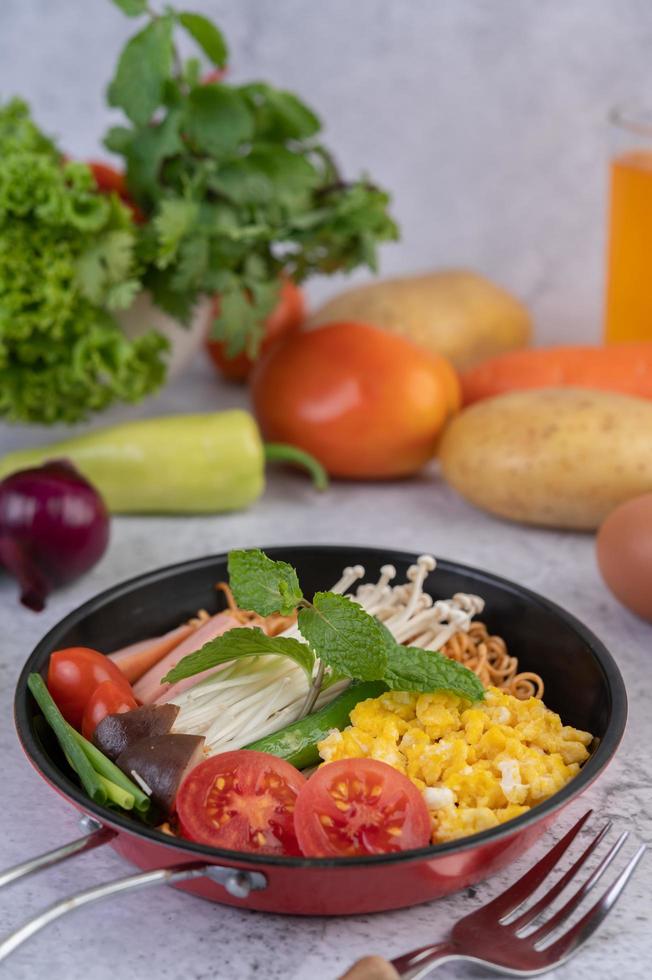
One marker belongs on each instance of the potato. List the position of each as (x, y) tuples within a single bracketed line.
[(453, 312), (559, 457)]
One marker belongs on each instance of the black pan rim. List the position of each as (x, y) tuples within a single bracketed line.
[(598, 761)]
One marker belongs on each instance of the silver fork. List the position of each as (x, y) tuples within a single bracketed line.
[(494, 935)]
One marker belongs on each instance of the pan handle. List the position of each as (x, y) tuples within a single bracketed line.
[(95, 836), (235, 881)]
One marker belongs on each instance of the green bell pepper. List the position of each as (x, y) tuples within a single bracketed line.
[(297, 743), (179, 464)]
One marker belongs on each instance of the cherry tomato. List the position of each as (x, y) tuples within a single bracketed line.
[(284, 319), (109, 179), (108, 698), (360, 806), (243, 801), (367, 403), (73, 675)]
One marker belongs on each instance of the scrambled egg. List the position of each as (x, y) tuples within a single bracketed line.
[(477, 765)]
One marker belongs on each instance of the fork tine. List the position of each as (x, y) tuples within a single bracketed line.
[(551, 924), (566, 945), (510, 900), (546, 900)]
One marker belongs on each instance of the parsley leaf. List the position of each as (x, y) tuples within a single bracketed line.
[(104, 264), (143, 67), (208, 37), (236, 644), (265, 586), (217, 119), (248, 157), (279, 114), (344, 636), (132, 8), (175, 219)]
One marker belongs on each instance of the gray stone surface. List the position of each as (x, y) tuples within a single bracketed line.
[(177, 937)]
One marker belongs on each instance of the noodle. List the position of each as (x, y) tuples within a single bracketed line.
[(487, 657)]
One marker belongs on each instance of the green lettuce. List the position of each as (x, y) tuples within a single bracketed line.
[(67, 261)]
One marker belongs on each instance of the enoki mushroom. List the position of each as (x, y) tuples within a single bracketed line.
[(250, 699)]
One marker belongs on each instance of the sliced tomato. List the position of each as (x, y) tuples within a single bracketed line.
[(108, 698), (73, 676), (360, 806), (242, 801)]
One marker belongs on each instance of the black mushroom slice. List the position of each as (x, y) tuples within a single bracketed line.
[(115, 733), (160, 764)]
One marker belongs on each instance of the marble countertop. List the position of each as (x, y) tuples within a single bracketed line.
[(171, 935)]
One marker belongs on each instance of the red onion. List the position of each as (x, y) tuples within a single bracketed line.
[(54, 526)]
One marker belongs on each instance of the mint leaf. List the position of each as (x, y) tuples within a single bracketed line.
[(414, 669), (207, 36), (263, 585), (144, 65), (236, 644), (132, 8), (344, 636), (217, 120)]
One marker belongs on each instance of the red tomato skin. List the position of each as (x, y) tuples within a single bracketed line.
[(366, 403), (363, 829), (108, 698), (215, 75), (247, 796), (285, 319), (73, 675), (109, 180)]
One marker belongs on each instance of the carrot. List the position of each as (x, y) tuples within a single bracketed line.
[(136, 659), (626, 368)]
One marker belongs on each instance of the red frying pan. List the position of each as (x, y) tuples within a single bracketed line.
[(582, 683)]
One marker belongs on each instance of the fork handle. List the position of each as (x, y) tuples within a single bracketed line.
[(419, 962), (410, 966)]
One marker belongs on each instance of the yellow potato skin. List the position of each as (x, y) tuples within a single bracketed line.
[(454, 312), (556, 457)]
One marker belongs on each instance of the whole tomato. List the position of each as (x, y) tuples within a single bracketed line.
[(73, 676), (368, 404), (285, 318), (109, 179), (108, 698)]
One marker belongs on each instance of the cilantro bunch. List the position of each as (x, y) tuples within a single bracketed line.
[(234, 180), (66, 262), (341, 639)]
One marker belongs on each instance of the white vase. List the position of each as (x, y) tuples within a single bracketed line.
[(185, 341)]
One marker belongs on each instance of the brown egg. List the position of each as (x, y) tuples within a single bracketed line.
[(624, 550)]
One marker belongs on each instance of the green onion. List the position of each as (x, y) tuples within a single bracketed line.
[(110, 772), (73, 752), (117, 794)]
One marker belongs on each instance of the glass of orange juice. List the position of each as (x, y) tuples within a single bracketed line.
[(628, 314)]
